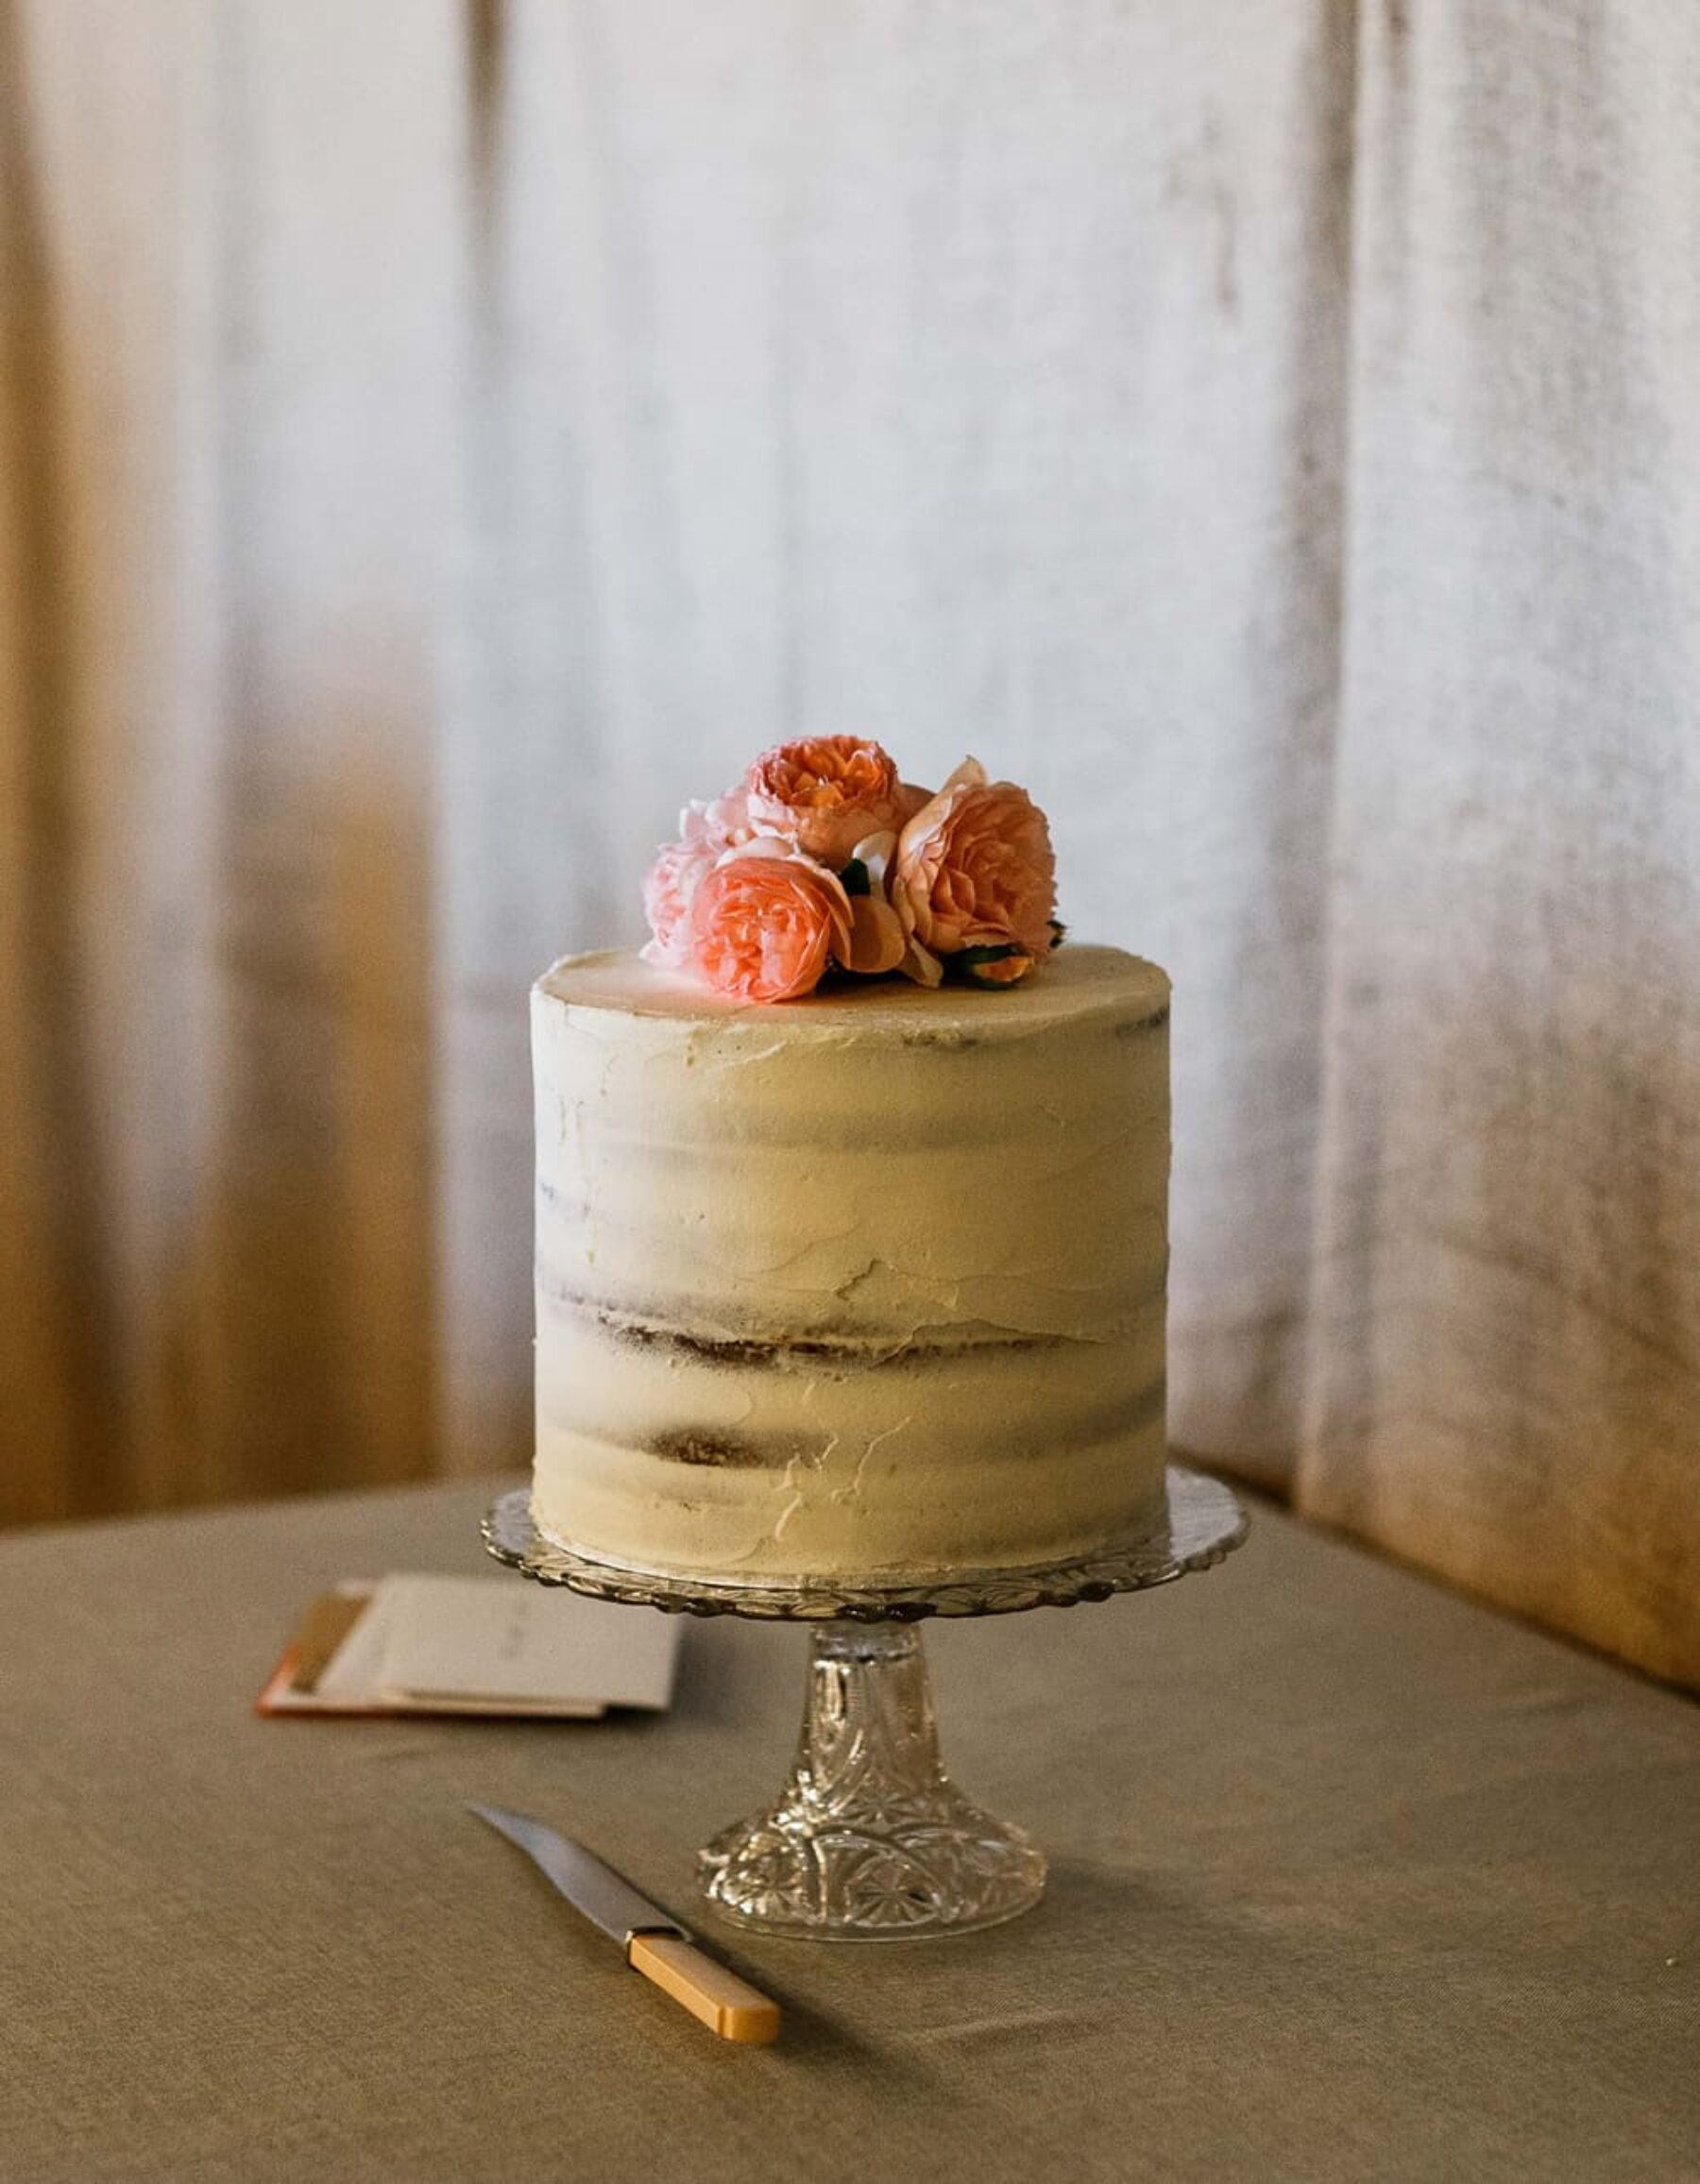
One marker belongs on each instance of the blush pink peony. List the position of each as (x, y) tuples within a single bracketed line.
[(826, 793), (973, 867), (668, 887), (766, 922), (705, 832), (726, 822)]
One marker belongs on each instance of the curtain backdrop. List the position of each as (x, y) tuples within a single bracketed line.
[(435, 438)]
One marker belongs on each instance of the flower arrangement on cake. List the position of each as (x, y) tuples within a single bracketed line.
[(823, 858)]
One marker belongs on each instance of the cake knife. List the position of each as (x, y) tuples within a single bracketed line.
[(652, 1943)]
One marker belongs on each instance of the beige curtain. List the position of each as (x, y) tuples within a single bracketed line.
[(435, 438)]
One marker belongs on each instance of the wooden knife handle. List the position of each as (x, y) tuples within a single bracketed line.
[(727, 2005)]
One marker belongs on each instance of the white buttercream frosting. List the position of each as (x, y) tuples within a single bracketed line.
[(867, 1283)]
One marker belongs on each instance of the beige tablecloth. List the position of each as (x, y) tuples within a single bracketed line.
[(1350, 1879)]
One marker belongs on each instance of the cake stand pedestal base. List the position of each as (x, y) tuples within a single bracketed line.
[(869, 1840)]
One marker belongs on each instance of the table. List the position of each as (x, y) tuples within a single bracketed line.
[(1350, 1878)]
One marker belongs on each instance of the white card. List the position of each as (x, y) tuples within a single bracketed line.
[(350, 1676), (502, 1640)]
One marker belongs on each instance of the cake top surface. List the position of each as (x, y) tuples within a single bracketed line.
[(1079, 981)]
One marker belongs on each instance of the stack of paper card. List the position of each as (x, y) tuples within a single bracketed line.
[(481, 1645)]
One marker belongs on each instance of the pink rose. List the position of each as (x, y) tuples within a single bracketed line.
[(766, 922), (975, 868), (826, 793)]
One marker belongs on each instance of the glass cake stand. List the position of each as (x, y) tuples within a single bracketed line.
[(869, 1840)]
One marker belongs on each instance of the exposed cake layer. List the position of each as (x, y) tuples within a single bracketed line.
[(870, 1283)]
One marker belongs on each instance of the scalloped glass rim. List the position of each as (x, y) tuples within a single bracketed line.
[(1202, 1522)]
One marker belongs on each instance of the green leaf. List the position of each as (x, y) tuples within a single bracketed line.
[(968, 963)]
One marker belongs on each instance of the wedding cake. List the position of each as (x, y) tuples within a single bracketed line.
[(851, 1211)]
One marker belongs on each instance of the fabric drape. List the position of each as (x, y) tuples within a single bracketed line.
[(437, 438)]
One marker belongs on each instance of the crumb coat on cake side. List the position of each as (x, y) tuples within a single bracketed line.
[(866, 1284)]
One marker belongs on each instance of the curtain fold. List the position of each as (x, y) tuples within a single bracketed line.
[(1505, 1322), (434, 439)]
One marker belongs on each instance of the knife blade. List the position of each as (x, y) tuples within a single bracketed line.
[(607, 1899), (652, 1943)]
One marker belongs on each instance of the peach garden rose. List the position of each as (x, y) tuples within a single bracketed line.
[(826, 793), (973, 867), (766, 922)]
